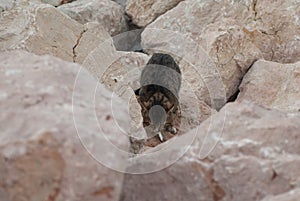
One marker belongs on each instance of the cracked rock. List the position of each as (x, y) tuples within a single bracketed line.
[(106, 12), (41, 154), (42, 29)]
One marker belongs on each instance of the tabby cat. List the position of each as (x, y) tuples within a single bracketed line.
[(158, 96)]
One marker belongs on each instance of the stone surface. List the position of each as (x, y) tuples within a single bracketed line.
[(129, 41), (272, 85), (292, 195), (144, 12), (5, 5), (41, 155), (257, 155), (41, 29), (53, 2), (56, 2), (121, 2), (92, 36), (233, 34), (108, 13)]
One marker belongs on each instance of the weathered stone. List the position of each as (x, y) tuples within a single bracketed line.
[(144, 12), (122, 78), (56, 2), (272, 85), (256, 155), (128, 41), (6, 5), (53, 2), (108, 13), (276, 30), (127, 65), (92, 36), (292, 195), (42, 29), (41, 150), (233, 34), (121, 2)]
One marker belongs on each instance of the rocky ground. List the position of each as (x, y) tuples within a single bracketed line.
[(239, 135)]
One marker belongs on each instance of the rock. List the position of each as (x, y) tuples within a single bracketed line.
[(42, 29), (53, 2), (129, 41), (254, 155), (292, 195), (108, 13), (144, 12), (42, 156), (272, 85), (122, 78), (276, 31), (126, 67), (231, 34), (92, 36), (6, 5), (121, 2)]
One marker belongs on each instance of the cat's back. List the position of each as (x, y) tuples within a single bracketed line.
[(162, 70)]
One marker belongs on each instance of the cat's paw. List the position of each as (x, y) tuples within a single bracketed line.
[(171, 129)]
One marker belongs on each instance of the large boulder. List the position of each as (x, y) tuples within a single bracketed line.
[(255, 155), (108, 13), (233, 34), (144, 12), (48, 126), (42, 29), (272, 85)]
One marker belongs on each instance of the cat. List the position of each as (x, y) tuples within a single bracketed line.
[(158, 95)]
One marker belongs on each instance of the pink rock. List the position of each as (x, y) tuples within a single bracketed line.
[(42, 156)]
